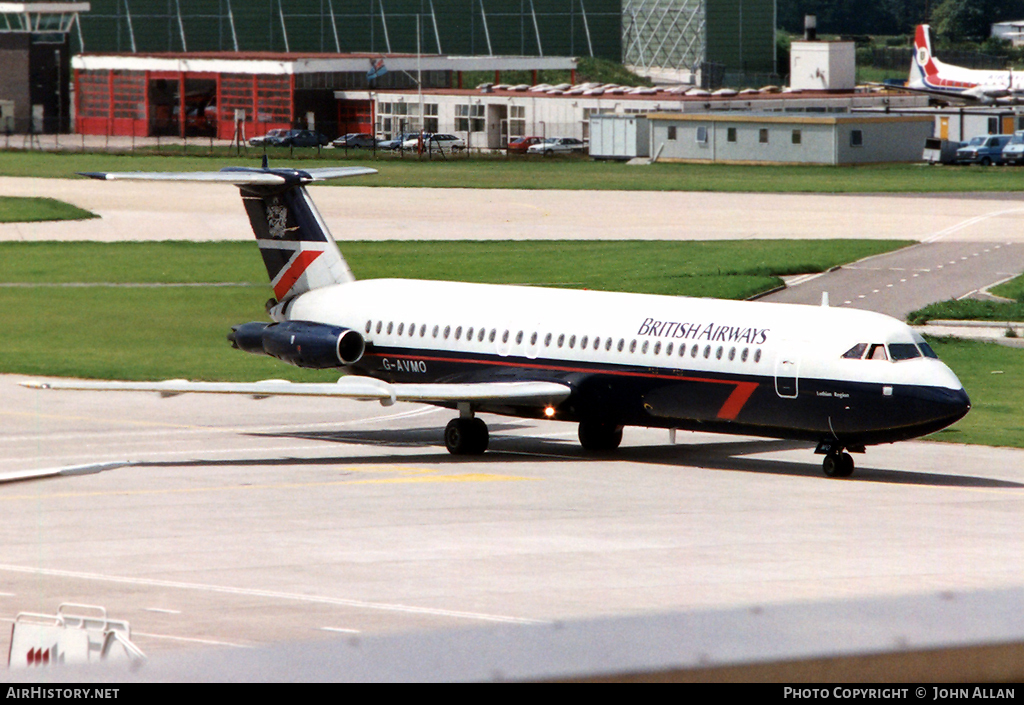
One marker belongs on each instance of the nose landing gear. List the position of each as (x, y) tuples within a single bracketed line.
[(837, 464)]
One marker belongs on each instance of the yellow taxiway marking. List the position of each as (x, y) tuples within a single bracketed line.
[(467, 477)]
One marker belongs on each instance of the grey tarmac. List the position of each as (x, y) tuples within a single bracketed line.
[(185, 211), (246, 522)]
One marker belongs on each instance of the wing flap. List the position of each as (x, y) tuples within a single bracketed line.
[(349, 387)]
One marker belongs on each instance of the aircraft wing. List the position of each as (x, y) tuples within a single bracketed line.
[(239, 176), (349, 387)]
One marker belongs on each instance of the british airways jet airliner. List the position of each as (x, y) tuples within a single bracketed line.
[(841, 378), (929, 75)]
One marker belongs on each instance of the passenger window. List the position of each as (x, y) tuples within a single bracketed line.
[(856, 352), (877, 352), (743, 356), (621, 344), (644, 348), (718, 353), (757, 355), (480, 335), (903, 351), (401, 328), (423, 330), (458, 333), (572, 341), (608, 344), (504, 337), (732, 354), (436, 328), (390, 326), (447, 332), (519, 338), (693, 351), (561, 340), (533, 338), (547, 340), (583, 343), (632, 346), (369, 325), (379, 324), (490, 338), (469, 333), (412, 329), (707, 352)]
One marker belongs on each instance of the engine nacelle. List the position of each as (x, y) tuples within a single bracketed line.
[(300, 343)]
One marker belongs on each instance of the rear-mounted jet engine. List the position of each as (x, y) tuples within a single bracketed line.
[(300, 343)]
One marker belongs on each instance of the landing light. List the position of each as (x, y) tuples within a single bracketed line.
[(549, 411)]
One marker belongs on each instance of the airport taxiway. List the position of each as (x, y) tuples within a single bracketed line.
[(188, 211), (248, 522)]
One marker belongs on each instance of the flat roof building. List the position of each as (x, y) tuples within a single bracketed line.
[(788, 139)]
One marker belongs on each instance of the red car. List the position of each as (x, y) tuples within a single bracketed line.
[(520, 144)]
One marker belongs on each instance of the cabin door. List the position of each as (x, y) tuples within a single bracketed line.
[(787, 373)]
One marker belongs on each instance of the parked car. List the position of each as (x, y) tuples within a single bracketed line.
[(397, 141), (520, 144), (1013, 152), (267, 138), (984, 150), (299, 138), (442, 142), (557, 145), (355, 140)]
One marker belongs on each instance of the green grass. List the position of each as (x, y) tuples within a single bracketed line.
[(1013, 289), (968, 310), (554, 173), (16, 209), (993, 376)]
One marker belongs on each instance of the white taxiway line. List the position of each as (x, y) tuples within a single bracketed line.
[(274, 594)]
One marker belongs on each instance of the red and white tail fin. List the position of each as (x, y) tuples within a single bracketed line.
[(924, 65)]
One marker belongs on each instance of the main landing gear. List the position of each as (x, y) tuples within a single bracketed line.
[(466, 435), (599, 435)]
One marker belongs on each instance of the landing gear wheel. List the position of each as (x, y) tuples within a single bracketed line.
[(838, 465), (599, 436), (466, 436)]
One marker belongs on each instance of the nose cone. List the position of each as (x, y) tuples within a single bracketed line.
[(942, 407)]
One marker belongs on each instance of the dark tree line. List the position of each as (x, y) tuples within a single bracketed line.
[(952, 20)]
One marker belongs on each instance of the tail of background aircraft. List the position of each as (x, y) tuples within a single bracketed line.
[(296, 245), (923, 63)]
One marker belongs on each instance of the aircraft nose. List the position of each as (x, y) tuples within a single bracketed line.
[(951, 405)]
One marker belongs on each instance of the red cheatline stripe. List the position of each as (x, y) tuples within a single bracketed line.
[(729, 411), (296, 270)]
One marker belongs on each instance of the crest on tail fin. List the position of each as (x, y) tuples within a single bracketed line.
[(923, 63), (297, 249)]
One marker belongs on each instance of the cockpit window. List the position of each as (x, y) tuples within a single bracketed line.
[(877, 352), (903, 351), (856, 352), (927, 350)]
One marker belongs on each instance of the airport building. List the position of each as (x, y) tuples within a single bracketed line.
[(488, 118), (788, 138)]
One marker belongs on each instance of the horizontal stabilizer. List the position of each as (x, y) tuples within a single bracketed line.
[(349, 387), (238, 176)]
